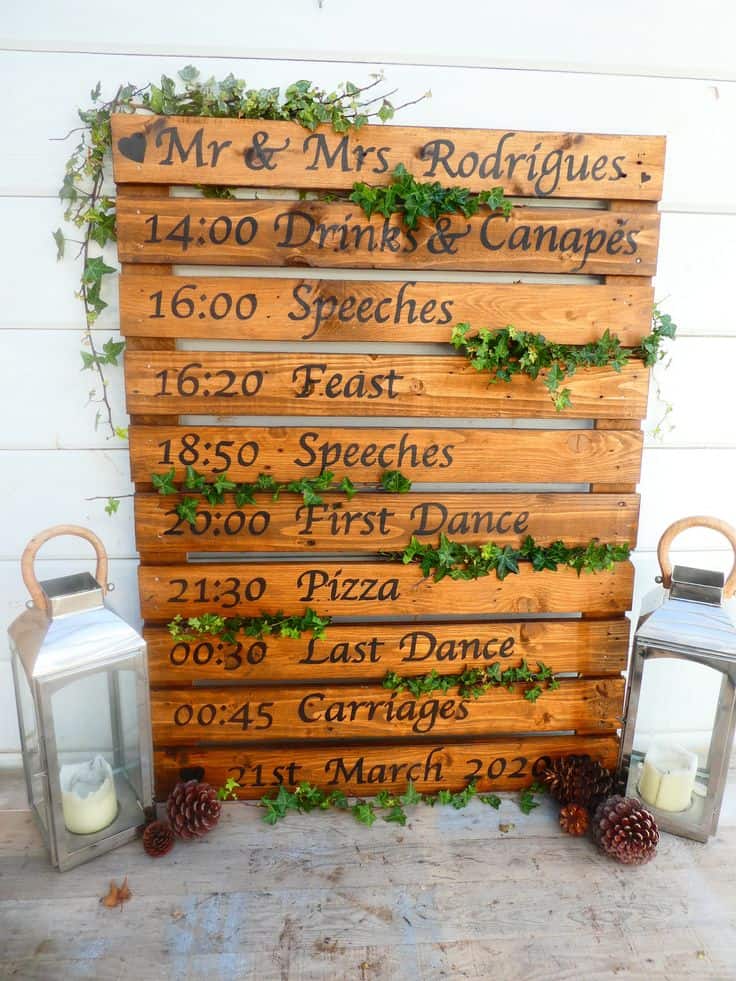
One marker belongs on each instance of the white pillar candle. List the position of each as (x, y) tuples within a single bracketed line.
[(88, 798), (668, 776)]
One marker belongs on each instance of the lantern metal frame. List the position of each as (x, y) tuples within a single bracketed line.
[(690, 626), (76, 604)]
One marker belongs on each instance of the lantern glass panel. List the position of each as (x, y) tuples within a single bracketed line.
[(33, 762), (679, 774), (98, 770)]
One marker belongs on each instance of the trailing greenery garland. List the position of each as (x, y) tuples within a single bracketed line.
[(213, 491), (92, 211), (306, 798), (507, 352), (413, 199), (461, 561), (473, 682), (213, 624)]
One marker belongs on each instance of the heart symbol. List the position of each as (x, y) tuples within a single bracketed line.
[(644, 177), (133, 147)]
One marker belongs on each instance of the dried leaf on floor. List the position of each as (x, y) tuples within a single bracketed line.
[(117, 894)]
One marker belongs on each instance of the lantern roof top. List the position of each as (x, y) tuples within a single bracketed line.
[(74, 642), (685, 624)]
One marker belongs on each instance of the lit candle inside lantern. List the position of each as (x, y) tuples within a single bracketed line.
[(88, 798), (668, 777)]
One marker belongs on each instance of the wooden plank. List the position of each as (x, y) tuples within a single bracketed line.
[(371, 589), (365, 652), (265, 153), (490, 455), (318, 234), (245, 715), (625, 282), (501, 764), (289, 309), (378, 522), (405, 386)]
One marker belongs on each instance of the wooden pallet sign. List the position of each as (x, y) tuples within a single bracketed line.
[(265, 153), (306, 233), (271, 710), (371, 523)]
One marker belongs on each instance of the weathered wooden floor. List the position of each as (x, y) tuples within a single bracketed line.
[(449, 896)]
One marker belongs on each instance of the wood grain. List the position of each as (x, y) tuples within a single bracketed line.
[(372, 589), (496, 764), (204, 382), (363, 454), (288, 309), (569, 165), (365, 652), (246, 715), (319, 234), (379, 522)]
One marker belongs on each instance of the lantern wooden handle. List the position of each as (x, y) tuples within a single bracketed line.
[(29, 555), (697, 521)]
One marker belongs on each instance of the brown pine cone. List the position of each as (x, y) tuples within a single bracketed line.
[(578, 779), (624, 829), (574, 819), (158, 838), (193, 809)]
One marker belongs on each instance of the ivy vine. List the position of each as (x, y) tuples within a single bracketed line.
[(507, 352), (214, 491), (306, 798), (276, 624), (91, 209), (413, 199), (459, 560), (474, 682)]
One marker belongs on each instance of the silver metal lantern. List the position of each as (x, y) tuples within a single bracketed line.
[(81, 689), (681, 696)]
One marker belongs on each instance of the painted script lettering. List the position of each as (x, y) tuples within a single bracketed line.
[(423, 714)]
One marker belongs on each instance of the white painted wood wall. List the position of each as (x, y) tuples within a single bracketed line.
[(666, 66)]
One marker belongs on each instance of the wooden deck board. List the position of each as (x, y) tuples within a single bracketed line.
[(317, 897)]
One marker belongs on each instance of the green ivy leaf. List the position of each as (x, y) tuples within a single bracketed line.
[(364, 812), (187, 510), (397, 814), (278, 806), (228, 790), (60, 242), (164, 482), (188, 73), (491, 799), (113, 350), (411, 795), (244, 494), (94, 270), (526, 801), (507, 562)]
